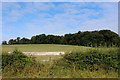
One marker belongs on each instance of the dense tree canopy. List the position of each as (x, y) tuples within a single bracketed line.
[(4, 42), (87, 38)]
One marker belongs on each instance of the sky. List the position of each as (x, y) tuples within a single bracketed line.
[(27, 19)]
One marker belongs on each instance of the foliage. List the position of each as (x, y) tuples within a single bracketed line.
[(91, 60), (16, 61), (87, 38), (72, 65), (4, 42), (19, 41)]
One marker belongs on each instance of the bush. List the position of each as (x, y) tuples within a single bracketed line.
[(16, 61), (92, 60)]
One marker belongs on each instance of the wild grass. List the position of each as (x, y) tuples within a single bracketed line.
[(56, 68), (46, 58)]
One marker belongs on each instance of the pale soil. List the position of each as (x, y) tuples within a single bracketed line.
[(42, 53)]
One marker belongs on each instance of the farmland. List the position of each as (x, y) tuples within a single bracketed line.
[(49, 48), (42, 48), (58, 65)]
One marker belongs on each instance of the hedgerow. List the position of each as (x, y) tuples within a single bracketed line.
[(91, 60), (17, 61)]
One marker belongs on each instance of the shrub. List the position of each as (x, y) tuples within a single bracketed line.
[(92, 60), (16, 61)]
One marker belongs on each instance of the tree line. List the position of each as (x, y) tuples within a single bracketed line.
[(87, 38)]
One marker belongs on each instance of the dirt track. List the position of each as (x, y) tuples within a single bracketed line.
[(42, 53)]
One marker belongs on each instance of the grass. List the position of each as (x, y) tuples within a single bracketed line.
[(48, 48), (47, 70), (59, 72), (46, 58), (42, 48)]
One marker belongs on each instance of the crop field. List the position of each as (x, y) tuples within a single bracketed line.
[(49, 48), (42, 48)]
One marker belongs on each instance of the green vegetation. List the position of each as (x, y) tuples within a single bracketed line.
[(89, 54), (87, 38), (45, 58), (50, 48), (92, 60), (18, 63), (42, 48), (93, 63), (4, 42)]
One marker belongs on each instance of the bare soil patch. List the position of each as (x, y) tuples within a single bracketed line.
[(42, 53)]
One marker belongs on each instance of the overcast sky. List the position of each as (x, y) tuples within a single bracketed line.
[(26, 19)]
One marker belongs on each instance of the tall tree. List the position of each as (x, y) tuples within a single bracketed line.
[(18, 40), (4, 42)]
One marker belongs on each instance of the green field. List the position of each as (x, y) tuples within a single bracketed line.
[(42, 48), (49, 48), (54, 65)]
